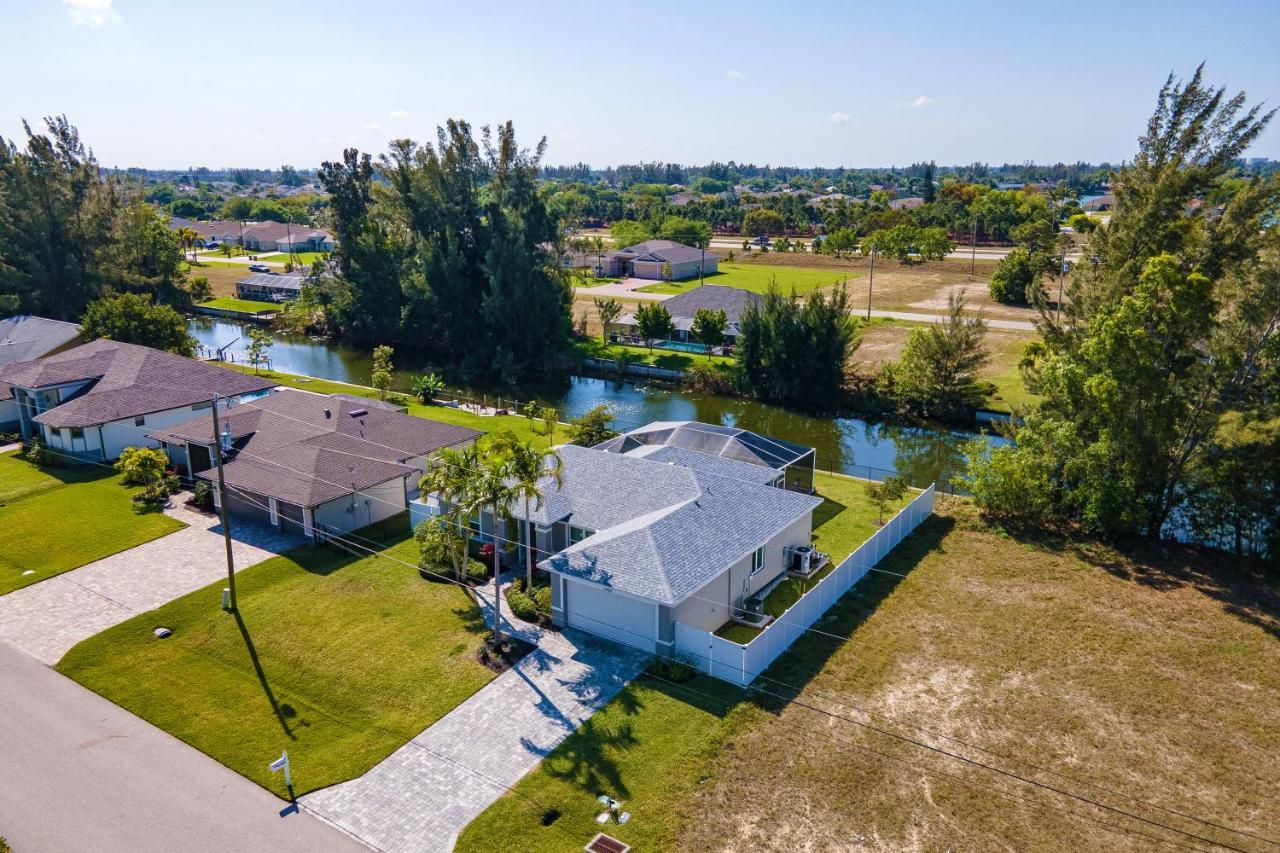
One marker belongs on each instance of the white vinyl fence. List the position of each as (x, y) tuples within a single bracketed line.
[(741, 664)]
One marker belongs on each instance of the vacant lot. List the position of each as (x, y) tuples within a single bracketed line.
[(1120, 677), (222, 276), (56, 519), (336, 659), (758, 277), (881, 341)]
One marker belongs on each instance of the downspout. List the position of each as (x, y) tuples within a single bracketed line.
[(102, 444)]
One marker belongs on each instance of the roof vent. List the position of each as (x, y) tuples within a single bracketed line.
[(358, 413)]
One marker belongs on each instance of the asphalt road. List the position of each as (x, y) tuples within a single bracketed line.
[(78, 773)]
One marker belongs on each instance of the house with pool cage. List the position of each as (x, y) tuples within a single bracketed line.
[(672, 522), (733, 301)]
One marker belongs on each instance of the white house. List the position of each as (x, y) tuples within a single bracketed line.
[(96, 399), (678, 522)]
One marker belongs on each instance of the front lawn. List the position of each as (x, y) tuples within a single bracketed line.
[(339, 660), (1152, 674), (647, 748), (299, 259), (247, 306), (594, 347), (757, 277), (53, 520)]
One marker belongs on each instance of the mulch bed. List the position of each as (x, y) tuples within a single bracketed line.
[(501, 660)]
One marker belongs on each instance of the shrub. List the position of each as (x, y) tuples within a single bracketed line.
[(712, 378), (477, 571), (680, 668), (39, 454), (202, 495), (542, 598), (522, 605), (141, 466), (1007, 484)]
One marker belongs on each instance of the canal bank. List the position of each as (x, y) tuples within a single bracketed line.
[(845, 444)]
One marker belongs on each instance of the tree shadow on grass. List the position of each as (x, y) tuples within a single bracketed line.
[(810, 653), (1236, 582), (284, 712)]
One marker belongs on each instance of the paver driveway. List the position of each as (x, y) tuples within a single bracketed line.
[(48, 618), (421, 796)]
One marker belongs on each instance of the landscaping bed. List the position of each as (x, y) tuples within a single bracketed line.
[(341, 660), (54, 519)]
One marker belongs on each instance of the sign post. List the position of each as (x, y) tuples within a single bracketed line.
[(282, 763)]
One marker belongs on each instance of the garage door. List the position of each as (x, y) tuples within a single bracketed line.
[(613, 615)]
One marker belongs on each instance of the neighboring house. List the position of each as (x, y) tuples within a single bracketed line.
[(284, 237), (827, 199), (96, 399), (215, 231), (1100, 204), (733, 301), (269, 287), (26, 338), (643, 537), (908, 203), (650, 258), (326, 464)]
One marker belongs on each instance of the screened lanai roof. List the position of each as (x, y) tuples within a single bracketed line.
[(725, 442)]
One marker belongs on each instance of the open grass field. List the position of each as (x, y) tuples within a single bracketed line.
[(53, 520), (757, 277), (338, 660), (1122, 670), (595, 347), (299, 259), (248, 306), (222, 277)]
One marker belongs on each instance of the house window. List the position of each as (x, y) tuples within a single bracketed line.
[(140, 420), (577, 534), (757, 560)]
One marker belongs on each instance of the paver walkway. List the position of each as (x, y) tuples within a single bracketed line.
[(48, 618), (421, 796)]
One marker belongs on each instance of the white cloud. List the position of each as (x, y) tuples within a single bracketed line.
[(839, 118), (401, 113), (733, 75), (91, 13), (373, 125), (922, 101)]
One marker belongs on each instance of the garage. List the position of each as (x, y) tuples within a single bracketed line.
[(610, 614)]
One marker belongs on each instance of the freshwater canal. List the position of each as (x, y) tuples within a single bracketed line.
[(922, 454)]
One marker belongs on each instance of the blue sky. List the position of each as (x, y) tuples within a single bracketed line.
[(169, 84)]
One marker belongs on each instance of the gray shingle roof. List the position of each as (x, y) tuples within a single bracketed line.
[(131, 380), (670, 530), (718, 297), (286, 448), (24, 337), (664, 250)]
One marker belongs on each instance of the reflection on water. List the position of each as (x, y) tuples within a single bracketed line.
[(921, 454)]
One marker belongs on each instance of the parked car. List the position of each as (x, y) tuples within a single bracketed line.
[(259, 268), (213, 245)]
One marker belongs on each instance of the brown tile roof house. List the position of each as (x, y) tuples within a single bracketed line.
[(96, 399), (127, 380), (317, 454)]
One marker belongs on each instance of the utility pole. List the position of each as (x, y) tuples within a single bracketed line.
[(702, 267), (973, 252), (871, 280), (222, 506), (1062, 274)]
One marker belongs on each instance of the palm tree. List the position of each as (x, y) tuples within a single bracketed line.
[(188, 238), (527, 465), (427, 388), (490, 486), (450, 477)]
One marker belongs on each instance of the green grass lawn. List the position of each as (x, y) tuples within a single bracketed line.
[(647, 748), (586, 280), (299, 259), (756, 278), (248, 306), (594, 347), (54, 520), (338, 660)]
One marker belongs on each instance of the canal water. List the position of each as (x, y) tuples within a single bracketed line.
[(922, 454)]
